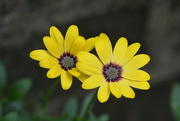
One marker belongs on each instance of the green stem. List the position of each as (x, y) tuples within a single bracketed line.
[(50, 92), (87, 105)]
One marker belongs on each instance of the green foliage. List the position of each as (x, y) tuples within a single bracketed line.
[(19, 89), (85, 105), (71, 108), (175, 101), (11, 116), (13, 105)]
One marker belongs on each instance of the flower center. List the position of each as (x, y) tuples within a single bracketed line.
[(67, 61), (112, 72)]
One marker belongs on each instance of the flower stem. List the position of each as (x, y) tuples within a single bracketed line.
[(50, 92), (87, 105)]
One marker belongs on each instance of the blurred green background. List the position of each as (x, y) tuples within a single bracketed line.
[(155, 24)]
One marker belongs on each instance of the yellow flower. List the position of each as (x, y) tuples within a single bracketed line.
[(116, 70), (60, 57)]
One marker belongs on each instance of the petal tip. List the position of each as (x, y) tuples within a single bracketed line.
[(84, 86), (65, 88)]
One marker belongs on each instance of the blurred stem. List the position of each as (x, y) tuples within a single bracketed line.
[(88, 107), (50, 92)]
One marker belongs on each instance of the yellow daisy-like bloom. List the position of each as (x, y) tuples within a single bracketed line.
[(116, 70), (60, 57)]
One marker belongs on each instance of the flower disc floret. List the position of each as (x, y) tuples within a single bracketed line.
[(112, 72), (67, 61)]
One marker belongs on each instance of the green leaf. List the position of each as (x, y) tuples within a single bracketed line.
[(3, 77), (86, 105), (104, 117), (19, 89), (92, 117), (17, 105), (51, 118), (12, 116), (71, 107), (175, 101)]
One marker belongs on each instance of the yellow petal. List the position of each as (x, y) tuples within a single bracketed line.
[(39, 54), (137, 75), (139, 85), (88, 68), (89, 45), (74, 72), (71, 34), (89, 58), (82, 77), (137, 61), (54, 72), (103, 92), (48, 62), (119, 50), (52, 46), (66, 80), (114, 88), (125, 90), (93, 82), (88, 63), (78, 45), (56, 35), (103, 48), (130, 52)]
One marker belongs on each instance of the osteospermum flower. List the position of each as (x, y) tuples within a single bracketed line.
[(116, 70), (60, 57)]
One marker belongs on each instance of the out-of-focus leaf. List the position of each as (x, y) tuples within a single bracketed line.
[(12, 116), (19, 89), (175, 101), (3, 77), (17, 105), (71, 107), (51, 118), (25, 116), (103, 117), (92, 117), (86, 104)]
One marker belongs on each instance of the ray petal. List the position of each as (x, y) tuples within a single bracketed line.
[(115, 89), (48, 62), (54, 72), (103, 48), (119, 50), (40, 54), (56, 35), (71, 34), (130, 52), (52, 46), (93, 82), (66, 80), (137, 61), (125, 90), (136, 75), (78, 45), (103, 92), (89, 45)]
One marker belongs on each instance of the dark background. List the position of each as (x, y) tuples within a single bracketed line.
[(155, 24)]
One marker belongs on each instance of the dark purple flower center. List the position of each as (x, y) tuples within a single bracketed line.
[(67, 61), (112, 72)]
